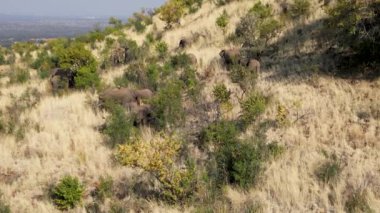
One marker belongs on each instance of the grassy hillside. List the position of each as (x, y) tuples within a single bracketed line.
[(302, 134)]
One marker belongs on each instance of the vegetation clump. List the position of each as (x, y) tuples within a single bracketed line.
[(221, 93), (329, 172), (223, 20), (253, 106), (257, 27), (353, 27), (158, 157), (118, 126), (358, 202), (68, 193)]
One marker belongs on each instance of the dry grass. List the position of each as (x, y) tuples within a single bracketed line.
[(325, 116)]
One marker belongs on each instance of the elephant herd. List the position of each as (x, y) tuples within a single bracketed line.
[(131, 99)]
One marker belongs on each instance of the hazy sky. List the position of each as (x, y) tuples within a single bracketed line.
[(104, 8)]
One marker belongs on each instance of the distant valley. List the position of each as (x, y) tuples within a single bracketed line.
[(25, 28)]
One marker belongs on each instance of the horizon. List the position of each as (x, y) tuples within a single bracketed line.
[(75, 8)]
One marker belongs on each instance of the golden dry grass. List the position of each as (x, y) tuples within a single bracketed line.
[(323, 113)]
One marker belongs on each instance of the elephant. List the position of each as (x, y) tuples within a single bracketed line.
[(143, 114), (231, 56), (121, 55), (183, 43), (254, 66), (125, 96), (193, 59), (62, 79)]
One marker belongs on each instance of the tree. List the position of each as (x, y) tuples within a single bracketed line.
[(172, 12), (355, 27)]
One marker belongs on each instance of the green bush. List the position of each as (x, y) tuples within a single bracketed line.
[(257, 27), (43, 64), (352, 27), (219, 133), (300, 8), (139, 21), (116, 23), (19, 76), (4, 208), (329, 172), (190, 81), (167, 105), (162, 49), (223, 20), (76, 57), (67, 193), (221, 93), (192, 5), (180, 60), (104, 189), (253, 106), (118, 126), (172, 12), (241, 163), (87, 77), (222, 2), (358, 202), (2, 58)]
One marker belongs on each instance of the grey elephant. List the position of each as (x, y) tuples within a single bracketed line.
[(254, 66), (231, 56), (143, 114), (193, 59), (62, 79), (125, 96)]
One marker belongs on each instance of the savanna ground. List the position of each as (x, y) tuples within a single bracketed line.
[(327, 119)]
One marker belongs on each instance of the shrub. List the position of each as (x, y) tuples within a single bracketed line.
[(76, 57), (223, 20), (300, 8), (167, 104), (329, 172), (104, 189), (139, 21), (19, 76), (253, 106), (192, 5), (241, 163), (118, 125), (2, 58), (221, 93), (358, 202), (190, 82), (257, 27), (4, 208), (180, 60), (219, 133), (172, 12), (87, 77), (158, 157), (67, 193), (222, 2), (243, 75), (162, 49), (116, 23), (353, 27)]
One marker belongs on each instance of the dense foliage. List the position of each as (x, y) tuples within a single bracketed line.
[(355, 27), (67, 193)]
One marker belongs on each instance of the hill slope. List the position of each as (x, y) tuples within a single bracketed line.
[(328, 119)]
